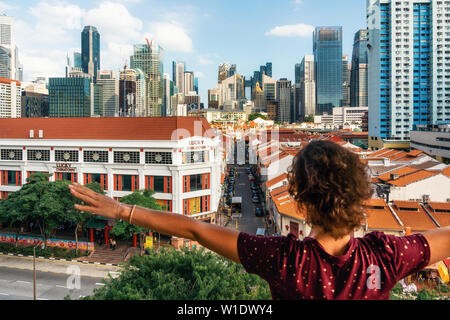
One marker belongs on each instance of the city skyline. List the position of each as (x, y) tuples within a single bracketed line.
[(47, 31)]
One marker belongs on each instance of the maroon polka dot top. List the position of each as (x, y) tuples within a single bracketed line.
[(298, 269)]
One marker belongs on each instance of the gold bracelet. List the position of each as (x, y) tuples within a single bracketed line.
[(117, 211), (131, 214)]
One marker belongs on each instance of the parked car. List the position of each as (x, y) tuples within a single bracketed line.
[(259, 212), (255, 199)]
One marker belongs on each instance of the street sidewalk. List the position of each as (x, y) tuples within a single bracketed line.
[(46, 265)]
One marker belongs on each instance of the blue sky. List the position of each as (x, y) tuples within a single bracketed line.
[(203, 33)]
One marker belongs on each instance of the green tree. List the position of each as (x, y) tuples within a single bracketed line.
[(123, 229), (49, 204), (170, 274), (309, 118), (256, 115)]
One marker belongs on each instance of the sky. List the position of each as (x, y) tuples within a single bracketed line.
[(203, 33)]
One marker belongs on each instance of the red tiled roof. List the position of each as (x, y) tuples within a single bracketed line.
[(274, 181), (446, 171), (139, 128), (416, 218), (9, 81), (379, 216), (443, 218)]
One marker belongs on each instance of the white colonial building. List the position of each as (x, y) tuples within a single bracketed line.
[(177, 157)]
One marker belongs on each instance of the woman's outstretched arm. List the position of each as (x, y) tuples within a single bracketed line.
[(218, 239), (439, 241)]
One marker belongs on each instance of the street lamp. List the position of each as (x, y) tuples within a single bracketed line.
[(34, 268)]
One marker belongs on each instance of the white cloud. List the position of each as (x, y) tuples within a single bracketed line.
[(297, 30), (199, 74), (298, 1), (58, 14), (202, 60), (5, 6), (170, 36)]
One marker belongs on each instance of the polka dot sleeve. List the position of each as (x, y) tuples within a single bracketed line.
[(262, 255), (410, 254)]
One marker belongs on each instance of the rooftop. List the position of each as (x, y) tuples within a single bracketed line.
[(413, 215), (139, 128)]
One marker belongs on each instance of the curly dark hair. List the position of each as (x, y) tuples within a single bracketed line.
[(331, 183)]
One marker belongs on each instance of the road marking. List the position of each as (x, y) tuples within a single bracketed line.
[(23, 281), (42, 299), (99, 284), (4, 294), (64, 287)]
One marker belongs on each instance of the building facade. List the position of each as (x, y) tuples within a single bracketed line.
[(327, 46), (10, 98), (71, 97), (408, 68), (175, 157), (307, 86), (9, 55)]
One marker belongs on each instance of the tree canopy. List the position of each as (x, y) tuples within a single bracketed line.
[(170, 274), (309, 118), (49, 204), (143, 199), (256, 115)]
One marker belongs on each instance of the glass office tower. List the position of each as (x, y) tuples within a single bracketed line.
[(358, 76), (90, 51), (70, 97), (327, 46)]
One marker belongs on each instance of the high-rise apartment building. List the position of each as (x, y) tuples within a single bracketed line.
[(149, 58), (90, 51), (110, 93), (358, 74), (141, 93), (168, 92), (224, 69), (408, 68), (327, 47), (10, 98), (307, 87), (284, 100), (269, 86)]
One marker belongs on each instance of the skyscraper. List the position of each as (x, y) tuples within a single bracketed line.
[(346, 67), (188, 82), (297, 72), (407, 68), (224, 69), (10, 98), (110, 93), (9, 63), (178, 69), (90, 51), (358, 74), (327, 46), (284, 100), (127, 93), (77, 60), (149, 58), (308, 87)]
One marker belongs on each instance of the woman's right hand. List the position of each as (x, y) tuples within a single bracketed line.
[(96, 203)]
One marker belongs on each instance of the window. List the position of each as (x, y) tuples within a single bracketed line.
[(160, 184), (194, 157), (66, 156), (126, 157), (124, 182), (11, 154), (73, 177), (196, 182), (101, 179), (38, 155), (196, 205), (158, 157), (95, 156), (11, 178)]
